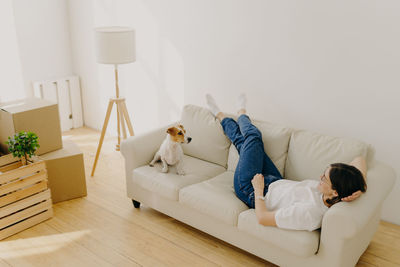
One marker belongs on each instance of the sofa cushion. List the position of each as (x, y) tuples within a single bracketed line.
[(301, 243), (215, 197), (208, 139), (276, 143), (311, 153), (169, 184)]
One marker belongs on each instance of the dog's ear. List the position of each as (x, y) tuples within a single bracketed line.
[(171, 130), (181, 126)]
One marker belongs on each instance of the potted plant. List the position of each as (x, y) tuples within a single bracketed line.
[(23, 145), (25, 198)]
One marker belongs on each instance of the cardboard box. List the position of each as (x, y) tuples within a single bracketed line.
[(66, 172), (31, 114)]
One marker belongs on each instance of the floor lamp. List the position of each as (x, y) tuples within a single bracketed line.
[(115, 45)]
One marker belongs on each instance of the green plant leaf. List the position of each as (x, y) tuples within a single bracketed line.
[(23, 143)]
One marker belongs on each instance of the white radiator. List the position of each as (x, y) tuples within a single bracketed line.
[(66, 92)]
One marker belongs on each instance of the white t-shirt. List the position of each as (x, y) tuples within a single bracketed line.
[(297, 205)]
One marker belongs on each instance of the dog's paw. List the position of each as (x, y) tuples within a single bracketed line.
[(151, 164), (180, 172), (164, 170)]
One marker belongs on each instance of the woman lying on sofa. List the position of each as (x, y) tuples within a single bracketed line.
[(287, 204)]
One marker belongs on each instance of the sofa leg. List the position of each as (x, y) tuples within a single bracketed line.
[(136, 204)]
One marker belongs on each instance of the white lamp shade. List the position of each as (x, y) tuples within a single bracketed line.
[(115, 45)]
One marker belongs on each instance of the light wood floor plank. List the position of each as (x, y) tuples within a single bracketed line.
[(382, 245), (365, 264), (93, 243), (376, 260), (42, 245), (121, 207), (3, 263), (103, 229), (181, 234), (131, 237)]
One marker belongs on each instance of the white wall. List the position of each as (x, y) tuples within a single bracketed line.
[(43, 39), (330, 67), (10, 68), (81, 23), (152, 86)]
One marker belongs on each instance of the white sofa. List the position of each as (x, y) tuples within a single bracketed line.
[(205, 199)]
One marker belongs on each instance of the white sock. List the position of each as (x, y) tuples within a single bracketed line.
[(212, 105), (241, 101)]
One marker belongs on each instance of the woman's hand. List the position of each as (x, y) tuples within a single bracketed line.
[(352, 197), (264, 217), (258, 184)]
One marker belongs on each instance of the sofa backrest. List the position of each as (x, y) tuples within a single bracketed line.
[(298, 154), (276, 142), (311, 153), (208, 139)]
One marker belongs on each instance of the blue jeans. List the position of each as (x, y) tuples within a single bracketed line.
[(252, 158)]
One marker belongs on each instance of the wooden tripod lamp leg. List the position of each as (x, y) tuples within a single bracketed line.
[(117, 147), (118, 113), (122, 120), (103, 132), (126, 117)]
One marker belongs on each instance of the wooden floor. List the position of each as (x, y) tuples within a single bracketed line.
[(103, 229)]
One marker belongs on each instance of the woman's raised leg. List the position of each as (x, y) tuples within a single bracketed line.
[(231, 129), (230, 126), (252, 134), (248, 141), (247, 129), (253, 160)]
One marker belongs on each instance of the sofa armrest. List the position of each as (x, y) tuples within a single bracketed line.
[(346, 219), (139, 150)]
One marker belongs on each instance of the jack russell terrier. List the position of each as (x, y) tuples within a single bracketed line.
[(170, 152)]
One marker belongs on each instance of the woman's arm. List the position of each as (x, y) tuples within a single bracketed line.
[(264, 216), (361, 164)]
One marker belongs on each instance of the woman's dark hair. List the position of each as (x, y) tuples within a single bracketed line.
[(346, 179)]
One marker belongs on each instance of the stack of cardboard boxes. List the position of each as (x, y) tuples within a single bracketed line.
[(64, 160)]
